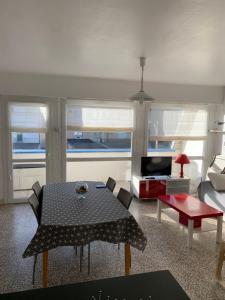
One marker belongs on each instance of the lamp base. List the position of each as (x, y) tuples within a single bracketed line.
[(181, 171)]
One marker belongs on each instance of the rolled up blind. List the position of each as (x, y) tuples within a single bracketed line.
[(178, 122), (83, 118), (28, 117)]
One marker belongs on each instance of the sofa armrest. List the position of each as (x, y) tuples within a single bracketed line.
[(203, 188), (210, 196)]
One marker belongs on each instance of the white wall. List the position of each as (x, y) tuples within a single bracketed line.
[(1, 166), (103, 89), (4, 155)]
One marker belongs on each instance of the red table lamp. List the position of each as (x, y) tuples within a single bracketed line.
[(182, 159)]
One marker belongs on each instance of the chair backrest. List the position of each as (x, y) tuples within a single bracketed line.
[(35, 205), (111, 183), (36, 187), (124, 197)]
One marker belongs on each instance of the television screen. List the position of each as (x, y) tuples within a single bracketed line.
[(153, 166)]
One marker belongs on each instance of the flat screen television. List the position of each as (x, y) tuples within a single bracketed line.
[(156, 166)]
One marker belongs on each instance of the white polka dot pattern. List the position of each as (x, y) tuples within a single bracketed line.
[(67, 220)]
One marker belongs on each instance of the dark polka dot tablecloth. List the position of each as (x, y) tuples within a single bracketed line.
[(67, 220)]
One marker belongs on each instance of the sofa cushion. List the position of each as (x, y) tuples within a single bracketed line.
[(217, 165), (217, 180)]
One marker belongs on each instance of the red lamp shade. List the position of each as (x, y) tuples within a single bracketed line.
[(182, 159)]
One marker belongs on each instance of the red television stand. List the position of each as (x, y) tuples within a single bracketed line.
[(150, 187)]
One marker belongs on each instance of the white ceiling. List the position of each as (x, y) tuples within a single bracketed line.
[(183, 40)]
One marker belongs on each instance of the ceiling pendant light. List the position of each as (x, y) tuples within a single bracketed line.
[(141, 96)]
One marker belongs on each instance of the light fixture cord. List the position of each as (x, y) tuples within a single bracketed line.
[(142, 64), (142, 77)]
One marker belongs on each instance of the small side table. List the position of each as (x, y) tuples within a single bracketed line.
[(191, 211)]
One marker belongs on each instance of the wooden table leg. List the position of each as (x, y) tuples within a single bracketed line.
[(45, 269), (127, 255), (220, 260)]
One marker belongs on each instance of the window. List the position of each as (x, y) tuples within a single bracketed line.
[(96, 144), (103, 134), (28, 124), (99, 131), (179, 129)]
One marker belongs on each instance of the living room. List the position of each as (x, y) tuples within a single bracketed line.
[(128, 91)]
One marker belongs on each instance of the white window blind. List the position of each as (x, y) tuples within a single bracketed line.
[(28, 117), (178, 123), (84, 118)]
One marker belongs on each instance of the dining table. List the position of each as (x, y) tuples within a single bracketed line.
[(68, 220)]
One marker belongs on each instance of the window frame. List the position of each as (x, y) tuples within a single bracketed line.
[(107, 104)]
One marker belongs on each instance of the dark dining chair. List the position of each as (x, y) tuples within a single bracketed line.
[(124, 197), (37, 189), (35, 205), (82, 254), (111, 183)]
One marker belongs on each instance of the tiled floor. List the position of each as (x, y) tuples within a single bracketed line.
[(166, 249)]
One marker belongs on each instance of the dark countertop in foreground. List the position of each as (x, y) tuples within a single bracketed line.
[(160, 285)]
